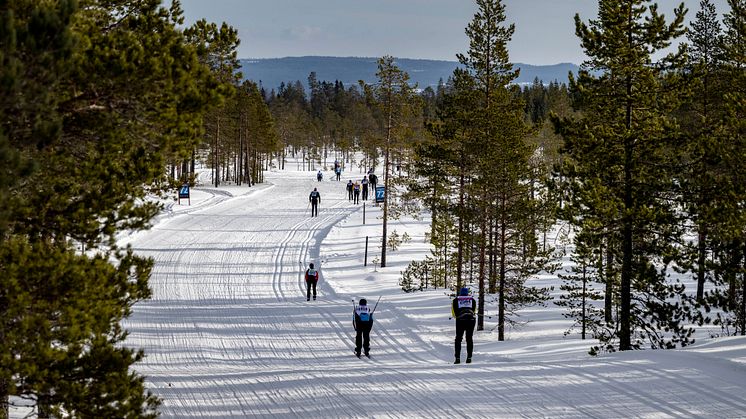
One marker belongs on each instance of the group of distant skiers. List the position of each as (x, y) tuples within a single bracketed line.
[(354, 190), (463, 309)]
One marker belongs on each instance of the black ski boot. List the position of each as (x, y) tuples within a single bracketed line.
[(457, 361)]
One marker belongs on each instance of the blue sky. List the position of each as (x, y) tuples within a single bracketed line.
[(432, 29)]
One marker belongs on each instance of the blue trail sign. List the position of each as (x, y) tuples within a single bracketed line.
[(380, 193), (184, 193)]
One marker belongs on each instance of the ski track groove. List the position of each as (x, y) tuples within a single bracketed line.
[(398, 346), (278, 261), (306, 246), (561, 398), (631, 393), (701, 390)]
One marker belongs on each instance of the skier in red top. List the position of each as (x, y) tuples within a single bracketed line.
[(312, 277)]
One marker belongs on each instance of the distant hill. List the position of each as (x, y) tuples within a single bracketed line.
[(273, 71)]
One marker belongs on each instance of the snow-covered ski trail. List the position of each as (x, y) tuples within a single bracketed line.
[(229, 333)]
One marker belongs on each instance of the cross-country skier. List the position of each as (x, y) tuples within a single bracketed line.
[(364, 182), (373, 180), (349, 190), (463, 308), (319, 176), (312, 278), (315, 200), (356, 193), (362, 320)]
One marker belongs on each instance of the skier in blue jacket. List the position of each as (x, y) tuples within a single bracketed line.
[(362, 320)]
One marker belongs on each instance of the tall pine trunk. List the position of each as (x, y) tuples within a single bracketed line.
[(386, 187), (216, 161), (743, 294), (239, 162), (609, 291), (482, 245), (625, 325), (493, 259), (701, 257), (583, 304), (192, 162), (460, 243), (4, 407), (503, 271)]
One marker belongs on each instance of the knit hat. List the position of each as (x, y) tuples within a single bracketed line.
[(363, 302), (464, 291), (310, 265)]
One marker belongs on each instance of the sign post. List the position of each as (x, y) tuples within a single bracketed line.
[(365, 261), (184, 193)]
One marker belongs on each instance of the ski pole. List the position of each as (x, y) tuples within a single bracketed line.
[(353, 315), (374, 308)]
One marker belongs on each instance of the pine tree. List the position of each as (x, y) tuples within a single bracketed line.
[(580, 294), (621, 158), (94, 101), (217, 48), (478, 167), (395, 99), (701, 186), (733, 132), (448, 160)]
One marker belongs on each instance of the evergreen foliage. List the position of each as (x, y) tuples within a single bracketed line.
[(396, 106), (477, 171), (621, 164), (701, 184), (731, 245), (418, 276), (580, 294), (217, 49), (96, 97)]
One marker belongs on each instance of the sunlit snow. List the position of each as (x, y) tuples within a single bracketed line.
[(229, 333)]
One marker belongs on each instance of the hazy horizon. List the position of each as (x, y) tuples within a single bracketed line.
[(397, 57), (415, 29)]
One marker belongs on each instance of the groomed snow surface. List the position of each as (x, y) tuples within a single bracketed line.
[(229, 333)]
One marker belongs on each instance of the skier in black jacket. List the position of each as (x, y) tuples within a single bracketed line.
[(315, 200), (463, 308), (349, 190), (356, 193), (364, 183), (362, 321), (373, 180)]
